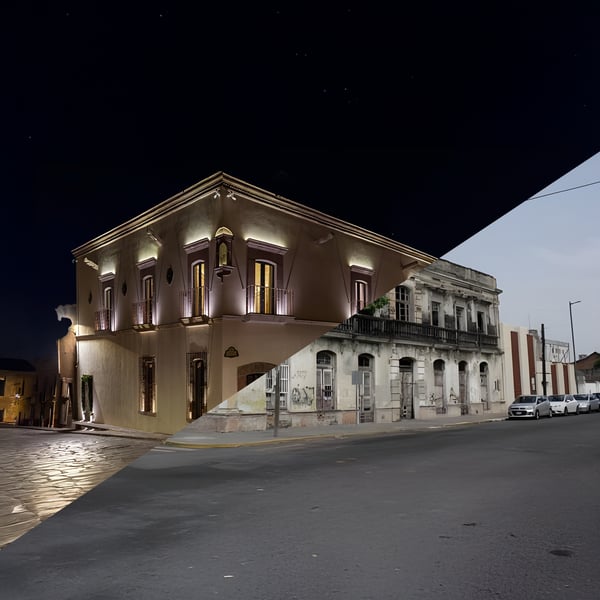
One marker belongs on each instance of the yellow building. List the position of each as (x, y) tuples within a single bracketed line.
[(184, 305), (17, 390)]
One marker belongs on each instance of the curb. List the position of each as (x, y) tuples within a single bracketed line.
[(332, 435)]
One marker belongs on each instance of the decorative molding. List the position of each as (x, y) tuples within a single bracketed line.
[(265, 246), (146, 264), (362, 270), (196, 246), (106, 277)]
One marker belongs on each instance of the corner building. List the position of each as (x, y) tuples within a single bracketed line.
[(433, 348), (182, 307)]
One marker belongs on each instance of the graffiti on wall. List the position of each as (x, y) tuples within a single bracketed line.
[(303, 396)]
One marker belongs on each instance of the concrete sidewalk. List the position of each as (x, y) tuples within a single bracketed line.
[(188, 438)]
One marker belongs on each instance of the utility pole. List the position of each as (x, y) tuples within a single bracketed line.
[(573, 340), (276, 407), (544, 382)]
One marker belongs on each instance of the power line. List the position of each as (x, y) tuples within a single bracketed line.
[(565, 190)]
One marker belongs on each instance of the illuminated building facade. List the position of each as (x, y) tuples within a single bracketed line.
[(183, 306)]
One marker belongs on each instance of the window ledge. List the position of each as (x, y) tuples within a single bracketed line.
[(260, 317)]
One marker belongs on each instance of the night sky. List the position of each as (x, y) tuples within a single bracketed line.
[(424, 125)]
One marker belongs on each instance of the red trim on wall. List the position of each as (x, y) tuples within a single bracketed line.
[(514, 347)]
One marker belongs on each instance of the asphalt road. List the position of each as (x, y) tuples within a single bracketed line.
[(504, 510)]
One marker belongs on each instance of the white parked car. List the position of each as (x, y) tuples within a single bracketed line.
[(529, 407), (588, 402), (564, 404)]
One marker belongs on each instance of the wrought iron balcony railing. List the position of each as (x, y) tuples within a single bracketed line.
[(267, 300), (103, 320), (143, 313), (194, 303), (367, 326)]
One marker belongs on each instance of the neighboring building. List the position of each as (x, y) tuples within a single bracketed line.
[(432, 349), (588, 372), (18, 379), (524, 363), (188, 303)]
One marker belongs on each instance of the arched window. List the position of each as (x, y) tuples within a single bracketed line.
[(365, 390), (483, 384), (198, 289), (325, 388), (439, 395)]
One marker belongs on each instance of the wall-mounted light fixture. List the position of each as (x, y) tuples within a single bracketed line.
[(90, 263), (154, 237)]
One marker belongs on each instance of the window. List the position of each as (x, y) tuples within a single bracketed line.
[(325, 381), (481, 321), (194, 299), (144, 310), (460, 318), (2, 385), (198, 289), (148, 385), (264, 289), (270, 385), (105, 315), (148, 297), (223, 238), (360, 295), (361, 287), (265, 293), (402, 303), (435, 314)]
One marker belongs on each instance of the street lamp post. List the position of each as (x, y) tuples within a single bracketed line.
[(573, 340)]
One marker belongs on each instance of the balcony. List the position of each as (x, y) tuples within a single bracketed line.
[(103, 320), (143, 315), (265, 300), (392, 330), (193, 306)]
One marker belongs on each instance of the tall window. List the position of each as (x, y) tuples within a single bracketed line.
[(198, 289), (435, 314), (402, 303), (264, 289), (147, 385), (481, 321), (325, 381), (270, 385), (460, 318), (361, 295), (148, 291)]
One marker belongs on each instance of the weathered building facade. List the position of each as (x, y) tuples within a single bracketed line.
[(431, 348), (183, 306)]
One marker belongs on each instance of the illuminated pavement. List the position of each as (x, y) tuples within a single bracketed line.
[(43, 471)]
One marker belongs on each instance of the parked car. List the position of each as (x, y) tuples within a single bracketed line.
[(529, 407), (564, 404), (588, 402)]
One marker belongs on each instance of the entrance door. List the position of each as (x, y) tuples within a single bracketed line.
[(462, 388), (197, 407), (406, 389)]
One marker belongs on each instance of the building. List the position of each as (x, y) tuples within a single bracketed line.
[(431, 347), (18, 380), (183, 306), (529, 370), (588, 372)]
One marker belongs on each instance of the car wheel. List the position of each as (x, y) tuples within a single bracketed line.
[(549, 413), (537, 415), (566, 412)]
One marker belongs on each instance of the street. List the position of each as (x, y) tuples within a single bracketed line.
[(44, 471), (500, 510)]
